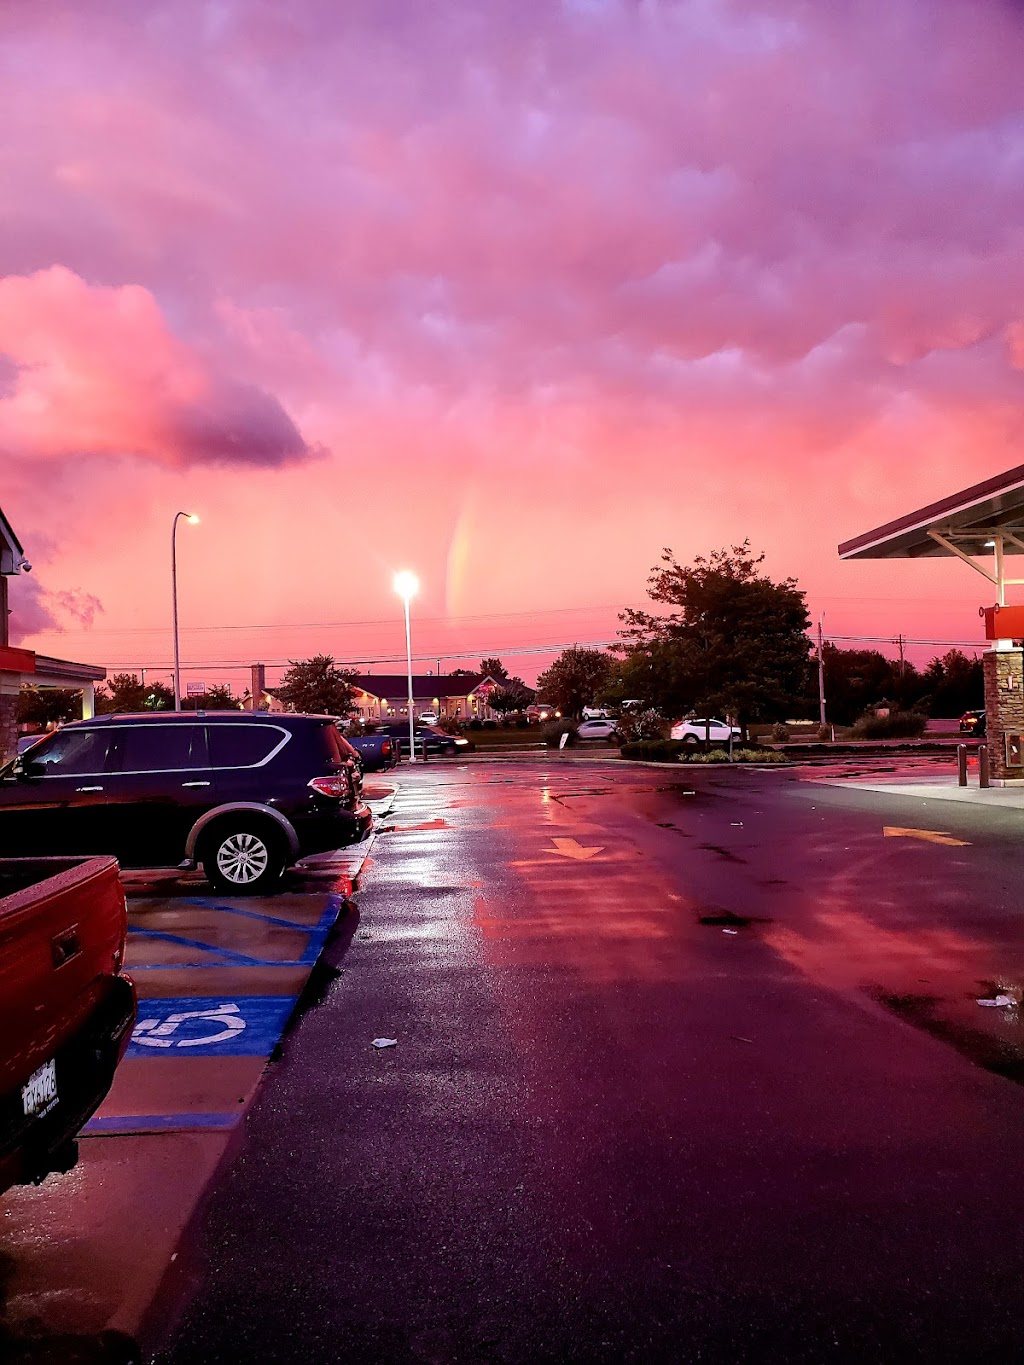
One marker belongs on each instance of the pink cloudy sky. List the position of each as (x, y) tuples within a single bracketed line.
[(513, 292)]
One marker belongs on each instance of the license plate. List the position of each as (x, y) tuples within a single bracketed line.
[(39, 1093)]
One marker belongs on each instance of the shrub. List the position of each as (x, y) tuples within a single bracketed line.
[(520, 721), (674, 751), (450, 725), (640, 725), (824, 734), (475, 724), (490, 725), (654, 750), (896, 725), (779, 732), (553, 731)]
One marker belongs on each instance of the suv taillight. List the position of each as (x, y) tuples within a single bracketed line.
[(385, 748), (337, 786)]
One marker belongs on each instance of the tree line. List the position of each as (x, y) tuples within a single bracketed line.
[(724, 639)]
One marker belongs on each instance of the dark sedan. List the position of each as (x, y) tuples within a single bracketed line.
[(972, 723)]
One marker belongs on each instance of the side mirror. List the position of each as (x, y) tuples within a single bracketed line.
[(28, 768)]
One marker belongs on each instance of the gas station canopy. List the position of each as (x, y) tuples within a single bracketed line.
[(977, 521), (980, 525)]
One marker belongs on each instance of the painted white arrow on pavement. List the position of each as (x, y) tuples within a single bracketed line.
[(570, 848)]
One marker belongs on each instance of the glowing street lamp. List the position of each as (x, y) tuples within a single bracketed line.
[(407, 585), (192, 519)]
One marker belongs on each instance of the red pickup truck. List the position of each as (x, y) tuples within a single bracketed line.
[(66, 1008)]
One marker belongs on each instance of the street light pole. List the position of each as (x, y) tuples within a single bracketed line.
[(821, 673), (407, 585), (191, 518)]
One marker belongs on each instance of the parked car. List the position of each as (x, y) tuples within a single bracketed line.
[(972, 723), (596, 713), (66, 1008), (375, 751), (597, 729), (694, 732), (243, 794), (432, 740), (428, 718)]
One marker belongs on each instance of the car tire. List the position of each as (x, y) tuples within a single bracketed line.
[(449, 750), (243, 858), (691, 742)]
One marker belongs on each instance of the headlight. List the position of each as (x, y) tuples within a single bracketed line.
[(462, 741)]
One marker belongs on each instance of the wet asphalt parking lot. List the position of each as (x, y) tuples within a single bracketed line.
[(688, 1067)]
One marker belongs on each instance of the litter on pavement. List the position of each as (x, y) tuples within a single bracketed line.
[(384, 1042), (730, 931), (998, 1002)]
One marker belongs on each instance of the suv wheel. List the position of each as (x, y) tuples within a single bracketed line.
[(242, 859)]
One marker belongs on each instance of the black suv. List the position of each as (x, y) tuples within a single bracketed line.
[(428, 738), (244, 795)]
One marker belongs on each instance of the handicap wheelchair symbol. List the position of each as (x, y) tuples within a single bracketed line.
[(225, 1020)]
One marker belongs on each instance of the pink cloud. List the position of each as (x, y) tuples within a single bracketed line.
[(94, 371)]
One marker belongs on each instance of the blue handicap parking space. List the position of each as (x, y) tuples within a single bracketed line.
[(210, 1026)]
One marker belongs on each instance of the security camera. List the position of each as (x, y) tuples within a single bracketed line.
[(25, 566)]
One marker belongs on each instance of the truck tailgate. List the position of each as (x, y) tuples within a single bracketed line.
[(63, 923)]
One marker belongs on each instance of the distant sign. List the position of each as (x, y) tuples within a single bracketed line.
[(195, 689)]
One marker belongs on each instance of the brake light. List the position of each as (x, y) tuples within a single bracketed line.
[(336, 787), (385, 748)]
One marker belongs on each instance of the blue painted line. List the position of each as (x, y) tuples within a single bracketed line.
[(227, 955), (247, 914), (112, 1125), (210, 1026), (316, 938)]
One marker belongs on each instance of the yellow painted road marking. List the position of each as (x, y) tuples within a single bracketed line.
[(930, 836), (569, 848)]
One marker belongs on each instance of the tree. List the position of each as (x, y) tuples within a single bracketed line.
[(514, 696), (49, 705), (736, 642), (954, 684), (317, 687), (461, 673), (857, 679), (574, 679), (494, 668), (125, 692), (216, 698)]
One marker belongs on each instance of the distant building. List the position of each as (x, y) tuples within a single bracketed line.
[(24, 667), (456, 696)]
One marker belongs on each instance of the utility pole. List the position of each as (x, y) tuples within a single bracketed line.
[(899, 642), (821, 673)]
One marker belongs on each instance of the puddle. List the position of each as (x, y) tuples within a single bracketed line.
[(1002, 1056), (727, 919), (724, 853)]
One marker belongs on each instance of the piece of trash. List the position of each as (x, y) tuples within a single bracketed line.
[(730, 931), (737, 1039), (736, 824), (998, 1002), (384, 1042)]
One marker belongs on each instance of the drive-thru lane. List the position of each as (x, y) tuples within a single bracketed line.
[(657, 1093)]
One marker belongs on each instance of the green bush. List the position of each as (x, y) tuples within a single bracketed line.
[(475, 724), (674, 751), (654, 750), (896, 725), (553, 731), (520, 721), (779, 732), (490, 725)]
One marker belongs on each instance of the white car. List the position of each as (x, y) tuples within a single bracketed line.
[(597, 729), (428, 718), (595, 713), (696, 731)]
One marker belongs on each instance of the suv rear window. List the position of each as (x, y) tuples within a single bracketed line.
[(242, 746), (160, 748)]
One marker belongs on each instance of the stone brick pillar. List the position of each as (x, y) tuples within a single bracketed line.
[(1004, 707), (8, 725)]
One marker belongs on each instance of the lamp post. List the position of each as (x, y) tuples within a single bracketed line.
[(191, 518), (407, 586)]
